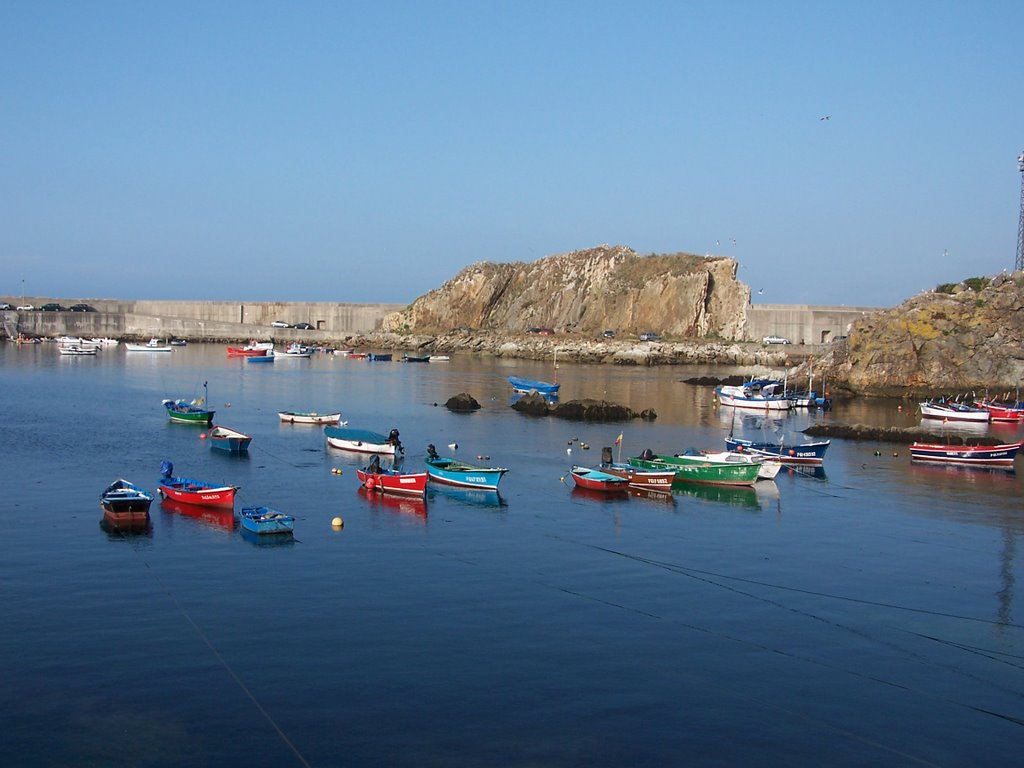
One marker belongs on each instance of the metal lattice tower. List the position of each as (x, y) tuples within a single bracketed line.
[(1019, 266)]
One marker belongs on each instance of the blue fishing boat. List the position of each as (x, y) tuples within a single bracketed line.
[(812, 453), (267, 358), (264, 520), (379, 357), (227, 439), (449, 471), (533, 385)]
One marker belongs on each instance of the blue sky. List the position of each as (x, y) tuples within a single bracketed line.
[(350, 151)]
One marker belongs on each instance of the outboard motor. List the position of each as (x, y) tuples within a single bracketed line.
[(606, 455), (393, 440), (166, 468)]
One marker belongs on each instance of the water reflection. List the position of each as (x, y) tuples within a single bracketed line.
[(139, 528), (475, 497), (740, 496), (223, 519), (267, 540), (415, 508)]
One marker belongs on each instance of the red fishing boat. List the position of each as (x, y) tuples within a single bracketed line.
[(375, 478), (597, 480), (252, 349), (192, 491), (1000, 411)]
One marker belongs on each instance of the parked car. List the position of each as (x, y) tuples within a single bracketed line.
[(5, 306), (82, 308), (280, 324), (25, 308), (650, 336), (303, 326), (775, 340), (609, 334), (52, 307)]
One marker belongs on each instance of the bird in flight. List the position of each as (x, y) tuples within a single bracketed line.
[(825, 117)]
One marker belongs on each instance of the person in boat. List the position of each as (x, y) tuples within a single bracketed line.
[(647, 454), (374, 467), (432, 452)]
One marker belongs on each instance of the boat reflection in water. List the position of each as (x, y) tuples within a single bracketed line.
[(258, 540), (412, 506), (212, 516), (135, 528), (474, 497), (605, 496), (653, 494), (740, 496)]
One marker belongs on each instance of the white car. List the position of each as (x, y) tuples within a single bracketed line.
[(26, 308), (280, 324), (774, 340)]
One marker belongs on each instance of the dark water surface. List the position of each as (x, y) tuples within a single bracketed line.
[(870, 617)]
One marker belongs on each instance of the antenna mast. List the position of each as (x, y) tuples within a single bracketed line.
[(1019, 266)]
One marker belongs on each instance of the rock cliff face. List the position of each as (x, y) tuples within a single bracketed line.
[(608, 287), (936, 344)]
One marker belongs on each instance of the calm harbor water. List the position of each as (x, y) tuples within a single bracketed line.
[(867, 617)]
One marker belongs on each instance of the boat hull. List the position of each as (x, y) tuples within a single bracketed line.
[(228, 440), (639, 477), (185, 413), (754, 403), (309, 417), (945, 413), (401, 484), (359, 441), (526, 386), (124, 504), (701, 469), (197, 493), (448, 471), (598, 480), (966, 455), (799, 454), (265, 521)]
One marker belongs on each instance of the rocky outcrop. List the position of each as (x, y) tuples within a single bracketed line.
[(681, 295), (971, 338), (462, 402), (534, 404)]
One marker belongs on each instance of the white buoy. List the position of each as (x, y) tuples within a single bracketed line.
[(453, 446)]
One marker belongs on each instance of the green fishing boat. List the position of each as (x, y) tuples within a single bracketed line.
[(717, 468), (190, 412)]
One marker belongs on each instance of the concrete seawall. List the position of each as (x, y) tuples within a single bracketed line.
[(224, 320)]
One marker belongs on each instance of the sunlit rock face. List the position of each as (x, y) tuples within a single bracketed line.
[(608, 287), (962, 341)]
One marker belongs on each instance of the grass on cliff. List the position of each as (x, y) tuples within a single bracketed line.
[(639, 272), (974, 283)]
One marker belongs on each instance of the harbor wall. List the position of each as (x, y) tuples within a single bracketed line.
[(219, 320)]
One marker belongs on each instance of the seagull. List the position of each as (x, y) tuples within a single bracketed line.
[(760, 290), (825, 117), (568, 451)]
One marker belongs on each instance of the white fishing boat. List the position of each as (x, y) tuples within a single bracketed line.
[(153, 345)]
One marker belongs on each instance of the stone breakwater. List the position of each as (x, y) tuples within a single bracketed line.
[(577, 349)]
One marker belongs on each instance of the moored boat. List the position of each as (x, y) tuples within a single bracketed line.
[(267, 358), (949, 411), (379, 357), (759, 394), (125, 504), (526, 386), (309, 417), (294, 350), (637, 477), (450, 471), (227, 439), (264, 520), (373, 477), (1000, 412), (598, 480), (191, 491), (799, 453), (153, 345), (727, 468), (968, 455), (364, 440), (415, 358), (252, 349), (74, 350), (189, 411)]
